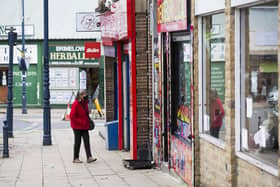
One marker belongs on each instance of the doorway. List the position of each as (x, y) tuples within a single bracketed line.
[(126, 112)]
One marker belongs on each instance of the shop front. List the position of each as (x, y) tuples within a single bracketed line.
[(71, 71), (173, 93), (238, 67), (120, 72), (33, 77)]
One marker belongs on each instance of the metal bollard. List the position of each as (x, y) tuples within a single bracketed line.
[(5, 140)]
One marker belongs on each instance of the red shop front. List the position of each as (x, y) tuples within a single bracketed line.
[(118, 32), (173, 94)]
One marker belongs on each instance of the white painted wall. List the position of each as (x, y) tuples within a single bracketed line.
[(62, 17), (235, 3), (204, 6), (10, 14)]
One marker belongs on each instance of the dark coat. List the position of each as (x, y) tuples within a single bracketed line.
[(78, 115)]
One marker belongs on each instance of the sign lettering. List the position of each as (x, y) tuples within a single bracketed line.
[(70, 55)]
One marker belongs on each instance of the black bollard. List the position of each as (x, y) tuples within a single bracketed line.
[(5, 140)]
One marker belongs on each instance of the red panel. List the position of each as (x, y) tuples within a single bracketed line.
[(107, 43), (120, 102), (133, 54), (92, 50), (130, 17)]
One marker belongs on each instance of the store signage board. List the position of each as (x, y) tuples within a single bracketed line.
[(70, 55), (172, 15), (92, 50), (31, 54), (116, 24), (87, 22)]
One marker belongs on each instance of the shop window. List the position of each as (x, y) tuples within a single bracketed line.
[(213, 76), (259, 82), (181, 89)]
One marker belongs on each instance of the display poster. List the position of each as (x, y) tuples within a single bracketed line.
[(64, 78), (217, 51), (218, 79), (181, 159), (32, 85), (83, 80), (157, 102), (61, 96), (171, 15)]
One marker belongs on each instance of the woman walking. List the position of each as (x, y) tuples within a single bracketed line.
[(80, 125)]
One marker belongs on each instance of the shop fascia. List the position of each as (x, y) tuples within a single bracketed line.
[(69, 54)]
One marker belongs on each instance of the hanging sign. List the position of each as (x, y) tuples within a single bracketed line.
[(172, 15), (116, 23)]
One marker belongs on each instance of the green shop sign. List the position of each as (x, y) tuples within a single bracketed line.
[(70, 55), (32, 85)]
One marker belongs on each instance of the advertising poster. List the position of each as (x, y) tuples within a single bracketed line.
[(171, 15), (157, 104), (181, 159)]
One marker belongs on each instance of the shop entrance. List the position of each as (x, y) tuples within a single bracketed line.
[(164, 113), (181, 106)]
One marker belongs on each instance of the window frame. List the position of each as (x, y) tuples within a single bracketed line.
[(202, 83), (240, 95)]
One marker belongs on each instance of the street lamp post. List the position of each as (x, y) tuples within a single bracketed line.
[(12, 38), (24, 108), (46, 102)]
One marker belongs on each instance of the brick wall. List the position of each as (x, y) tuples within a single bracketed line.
[(143, 85), (212, 165), (249, 175), (109, 88)]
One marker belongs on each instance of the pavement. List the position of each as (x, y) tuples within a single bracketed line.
[(31, 164)]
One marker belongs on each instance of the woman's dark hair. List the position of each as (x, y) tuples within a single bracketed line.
[(80, 92), (77, 95)]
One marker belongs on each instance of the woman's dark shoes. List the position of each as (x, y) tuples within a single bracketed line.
[(90, 159), (77, 161)]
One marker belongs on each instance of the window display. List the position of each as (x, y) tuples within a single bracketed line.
[(260, 85), (182, 90), (214, 75)]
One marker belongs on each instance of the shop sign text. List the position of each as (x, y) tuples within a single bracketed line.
[(69, 55)]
